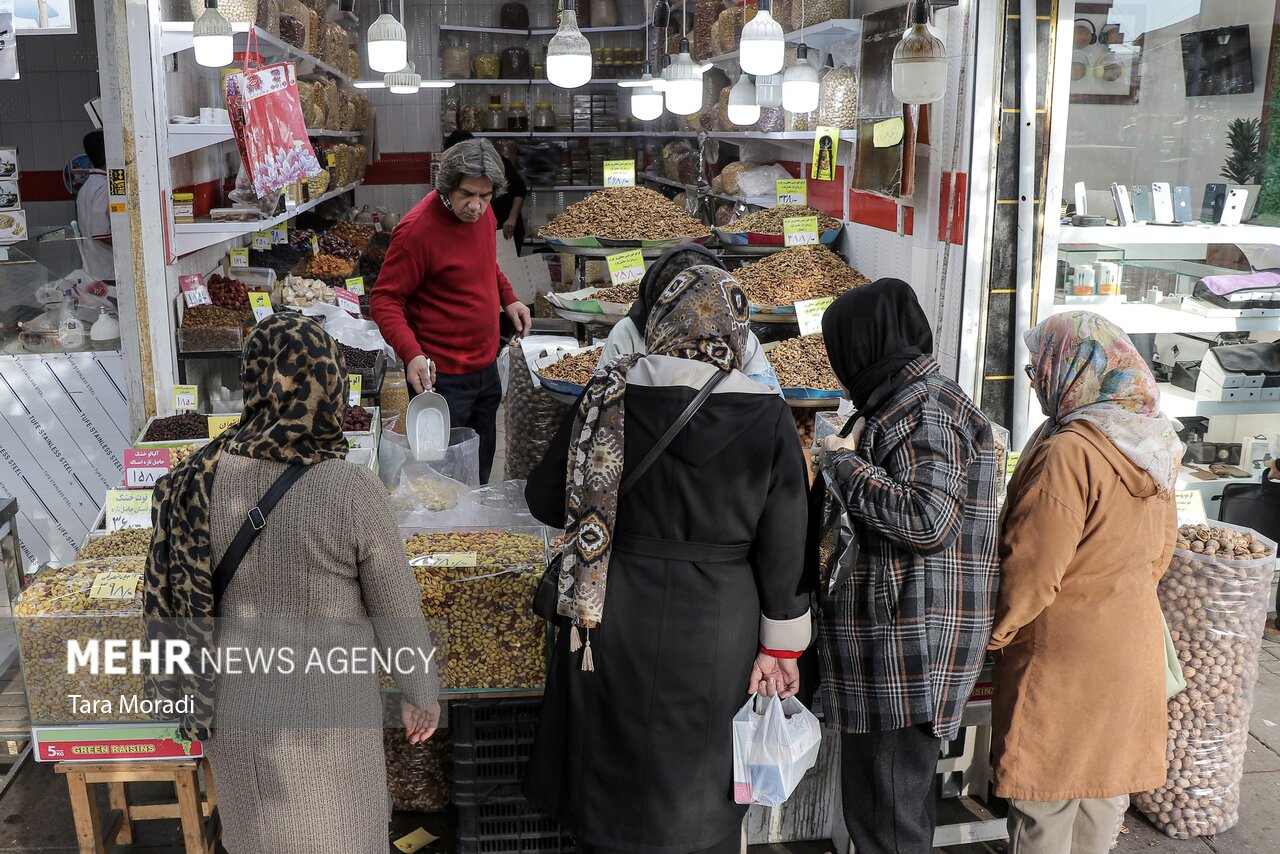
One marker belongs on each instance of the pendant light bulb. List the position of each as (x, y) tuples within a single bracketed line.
[(763, 46), (406, 81), (646, 95), (211, 37), (919, 61), (683, 89), (388, 42), (769, 90), (744, 110), (800, 84), (569, 52), (661, 15)]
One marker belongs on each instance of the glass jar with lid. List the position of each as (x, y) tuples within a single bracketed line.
[(516, 64), (518, 117), (604, 13), (544, 118), (485, 64), (455, 61), (495, 118), (470, 118)]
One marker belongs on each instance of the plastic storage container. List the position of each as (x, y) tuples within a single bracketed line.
[(518, 117), (485, 64), (516, 64), (495, 118), (455, 61), (513, 16), (544, 118), (492, 741), (838, 93), (471, 118)]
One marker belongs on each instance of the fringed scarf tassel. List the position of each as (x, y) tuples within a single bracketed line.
[(575, 641), (588, 663)]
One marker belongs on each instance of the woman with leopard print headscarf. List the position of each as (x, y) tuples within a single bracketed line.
[(678, 597), (299, 755)]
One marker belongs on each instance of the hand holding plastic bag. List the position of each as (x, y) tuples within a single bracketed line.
[(784, 744)]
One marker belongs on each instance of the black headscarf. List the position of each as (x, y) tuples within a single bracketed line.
[(660, 274), (872, 333)]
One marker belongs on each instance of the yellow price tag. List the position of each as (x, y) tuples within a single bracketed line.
[(793, 191), (1011, 463), (800, 230), (619, 173), (809, 314), (626, 267), (356, 285), (186, 398), (414, 841), (262, 240), (115, 585), (128, 508), (260, 302), (887, 133), (331, 159), (355, 384), (240, 258), (279, 235), (219, 423), (1190, 507), (315, 246)]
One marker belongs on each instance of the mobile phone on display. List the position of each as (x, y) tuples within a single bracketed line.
[(1233, 212), (1162, 202), (1182, 204), (1124, 208), (1082, 199), (1215, 199), (1140, 196)]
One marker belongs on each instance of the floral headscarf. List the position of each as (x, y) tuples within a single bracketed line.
[(1086, 369), (295, 391), (702, 315)]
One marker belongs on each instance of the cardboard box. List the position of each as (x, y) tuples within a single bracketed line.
[(9, 163), (10, 198), (13, 226), (184, 207)]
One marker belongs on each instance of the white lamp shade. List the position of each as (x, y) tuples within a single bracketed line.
[(388, 45), (683, 89), (211, 38), (406, 81), (762, 49), (919, 62), (769, 90), (569, 54), (646, 104), (743, 109), (800, 88)]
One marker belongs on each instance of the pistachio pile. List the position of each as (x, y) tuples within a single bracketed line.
[(576, 369), (1215, 598), (494, 639), (624, 294), (798, 273), (770, 220), (131, 542), (419, 776), (624, 213), (803, 363), (179, 455)]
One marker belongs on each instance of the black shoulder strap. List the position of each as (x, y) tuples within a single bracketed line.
[(672, 432), (255, 521)]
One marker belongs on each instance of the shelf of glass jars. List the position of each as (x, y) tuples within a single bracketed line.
[(175, 36), (537, 31), (189, 237), (186, 138), (819, 37)]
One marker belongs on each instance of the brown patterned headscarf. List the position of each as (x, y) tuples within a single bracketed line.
[(295, 395), (702, 315)]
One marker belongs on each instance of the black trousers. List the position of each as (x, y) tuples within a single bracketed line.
[(887, 781), (473, 402), (731, 844)]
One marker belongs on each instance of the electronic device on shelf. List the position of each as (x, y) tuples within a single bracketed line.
[(1140, 197), (1124, 208), (1215, 200), (1233, 212), (1182, 204), (1162, 202)]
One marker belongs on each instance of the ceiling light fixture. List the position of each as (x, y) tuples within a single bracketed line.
[(211, 37), (763, 46), (388, 43), (569, 52), (919, 61)]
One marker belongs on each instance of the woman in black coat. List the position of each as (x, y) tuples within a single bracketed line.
[(701, 562)]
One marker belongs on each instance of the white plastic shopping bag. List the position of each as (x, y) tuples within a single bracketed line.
[(745, 723), (785, 746)]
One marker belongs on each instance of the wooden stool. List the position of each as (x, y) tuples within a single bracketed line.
[(199, 835)]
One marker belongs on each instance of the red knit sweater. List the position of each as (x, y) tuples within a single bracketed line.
[(440, 290)]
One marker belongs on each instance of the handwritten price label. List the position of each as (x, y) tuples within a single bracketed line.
[(347, 301), (809, 314), (262, 240), (240, 258), (261, 304), (186, 398), (315, 246), (355, 385), (219, 423), (626, 267), (144, 466), (793, 191), (115, 585), (800, 230), (128, 508), (1011, 463), (356, 285), (279, 235), (1190, 507), (450, 559), (619, 173), (194, 291)]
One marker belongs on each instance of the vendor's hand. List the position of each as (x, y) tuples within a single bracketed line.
[(509, 229), (771, 676), (419, 724), (421, 374), (836, 442), (519, 314)]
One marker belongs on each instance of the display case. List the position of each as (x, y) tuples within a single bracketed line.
[(34, 276)]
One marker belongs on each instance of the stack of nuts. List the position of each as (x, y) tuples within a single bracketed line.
[(131, 542), (771, 220), (358, 420), (803, 363), (494, 638), (798, 273), (1215, 598), (532, 418), (331, 244), (576, 369), (624, 213), (175, 428), (211, 327), (179, 455)]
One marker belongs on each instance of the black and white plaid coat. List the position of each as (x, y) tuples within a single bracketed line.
[(903, 637)]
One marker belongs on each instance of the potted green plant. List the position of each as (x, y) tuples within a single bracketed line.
[(1245, 164)]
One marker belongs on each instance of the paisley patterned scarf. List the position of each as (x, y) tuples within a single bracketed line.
[(701, 315), (295, 392), (1084, 368)]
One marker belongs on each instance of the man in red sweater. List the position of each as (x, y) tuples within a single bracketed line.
[(440, 292)]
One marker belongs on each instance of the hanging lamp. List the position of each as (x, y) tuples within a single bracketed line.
[(683, 89), (646, 95), (919, 61), (211, 37), (388, 42), (406, 81), (769, 90), (569, 52), (800, 84), (763, 46), (744, 109)]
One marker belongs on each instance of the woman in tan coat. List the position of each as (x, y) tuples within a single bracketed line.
[(1079, 714)]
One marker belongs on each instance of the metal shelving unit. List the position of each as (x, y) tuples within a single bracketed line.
[(191, 236)]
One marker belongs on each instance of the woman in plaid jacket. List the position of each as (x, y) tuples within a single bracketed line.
[(906, 563)]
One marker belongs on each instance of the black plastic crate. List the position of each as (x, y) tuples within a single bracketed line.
[(505, 823), (492, 742)]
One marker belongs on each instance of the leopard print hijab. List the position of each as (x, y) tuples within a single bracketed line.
[(295, 394), (702, 315)]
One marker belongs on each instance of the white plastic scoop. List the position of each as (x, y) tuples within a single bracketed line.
[(427, 425)]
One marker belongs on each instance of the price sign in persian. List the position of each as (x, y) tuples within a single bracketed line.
[(315, 246), (347, 301), (218, 423), (115, 585), (240, 258), (1011, 463), (800, 230), (793, 191), (619, 173), (186, 397), (262, 240), (450, 559), (128, 508), (1190, 507), (194, 290), (144, 466), (809, 314), (356, 285), (355, 385), (279, 235), (260, 302), (626, 267)]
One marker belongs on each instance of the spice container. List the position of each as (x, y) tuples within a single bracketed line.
[(518, 118), (544, 118), (455, 61), (495, 118), (513, 16), (604, 13), (470, 118), (516, 64), (485, 65)]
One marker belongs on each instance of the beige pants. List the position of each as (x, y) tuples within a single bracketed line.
[(1062, 827)]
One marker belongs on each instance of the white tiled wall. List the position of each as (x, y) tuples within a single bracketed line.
[(42, 113)]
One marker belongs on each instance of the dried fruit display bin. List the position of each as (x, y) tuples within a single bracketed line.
[(477, 593), (211, 339), (367, 438)]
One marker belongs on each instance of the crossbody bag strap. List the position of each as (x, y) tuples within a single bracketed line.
[(254, 522), (672, 431)]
